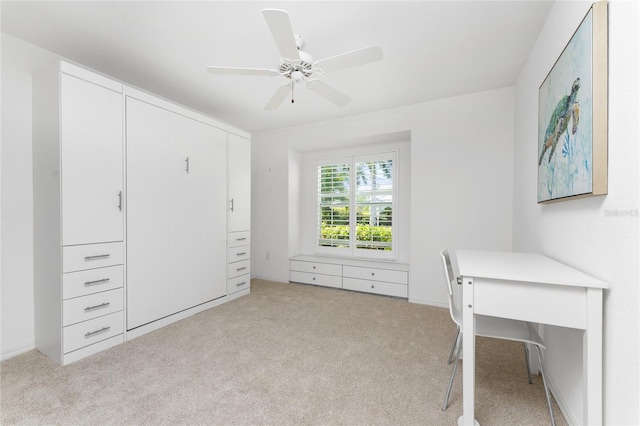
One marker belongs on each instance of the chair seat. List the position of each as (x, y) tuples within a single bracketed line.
[(507, 329)]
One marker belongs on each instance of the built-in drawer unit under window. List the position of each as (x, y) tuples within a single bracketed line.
[(391, 279)]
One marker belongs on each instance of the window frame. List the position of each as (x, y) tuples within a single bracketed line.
[(352, 251)]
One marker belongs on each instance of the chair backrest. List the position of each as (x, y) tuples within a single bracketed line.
[(454, 310)]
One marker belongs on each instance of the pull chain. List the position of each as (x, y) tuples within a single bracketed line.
[(292, 85)]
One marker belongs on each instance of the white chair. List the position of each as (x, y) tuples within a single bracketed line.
[(497, 328)]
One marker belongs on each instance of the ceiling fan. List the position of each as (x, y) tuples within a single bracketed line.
[(299, 66)]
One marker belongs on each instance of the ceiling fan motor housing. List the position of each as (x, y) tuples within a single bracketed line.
[(305, 65)]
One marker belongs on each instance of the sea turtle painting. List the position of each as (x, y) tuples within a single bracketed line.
[(567, 108)]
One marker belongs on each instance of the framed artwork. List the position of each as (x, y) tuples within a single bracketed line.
[(572, 115)]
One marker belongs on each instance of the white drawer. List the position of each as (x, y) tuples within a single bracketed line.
[(91, 306), (239, 268), (81, 283), (316, 268), (89, 256), (88, 332), (375, 274), (377, 287), (317, 279), (242, 238), (238, 283), (236, 254)]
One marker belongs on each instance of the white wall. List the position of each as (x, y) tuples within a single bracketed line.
[(583, 233), (461, 181), (19, 61)]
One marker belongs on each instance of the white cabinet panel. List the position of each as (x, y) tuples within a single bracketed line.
[(317, 279), (316, 267), (92, 306), (237, 239), (239, 172), (90, 256), (236, 254), (236, 284), (376, 274), (176, 212), (238, 268), (197, 214), (147, 212), (75, 284), (78, 213), (89, 332), (377, 287), (91, 157)]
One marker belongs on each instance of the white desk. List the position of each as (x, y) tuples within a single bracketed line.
[(531, 287)]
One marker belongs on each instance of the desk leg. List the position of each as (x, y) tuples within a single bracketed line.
[(468, 354), (592, 360)]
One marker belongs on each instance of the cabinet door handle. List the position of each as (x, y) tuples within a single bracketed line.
[(92, 333), (120, 200), (232, 204), (100, 306), (97, 257), (102, 281), (187, 161)]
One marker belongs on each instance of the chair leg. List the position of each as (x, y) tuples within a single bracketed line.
[(526, 358), (453, 346), (546, 388), (453, 372)]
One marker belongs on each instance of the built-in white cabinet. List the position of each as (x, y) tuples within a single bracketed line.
[(176, 210), (141, 213), (384, 278), (78, 212), (239, 213)]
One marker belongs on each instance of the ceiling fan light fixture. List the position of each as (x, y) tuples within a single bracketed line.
[(297, 76)]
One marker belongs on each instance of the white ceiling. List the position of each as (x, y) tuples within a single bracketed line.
[(432, 49)]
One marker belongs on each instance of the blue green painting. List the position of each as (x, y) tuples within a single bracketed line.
[(565, 121)]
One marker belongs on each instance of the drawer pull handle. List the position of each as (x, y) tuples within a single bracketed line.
[(97, 257), (373, 286), (102, 281), (241, 269), (242, 283), (241, 254), (100, 306), (93, 333), (373, 274), (314, 278), (314, 267), (241, 239)]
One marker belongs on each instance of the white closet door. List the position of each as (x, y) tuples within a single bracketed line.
[(239, 172), (197, 214), (91, 132), (148, 136)]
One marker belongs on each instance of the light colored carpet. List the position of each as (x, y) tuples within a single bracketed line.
[(285, 354)]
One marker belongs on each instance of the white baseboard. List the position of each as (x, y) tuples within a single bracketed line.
[(16, 352), (436, 303), (562, 403)]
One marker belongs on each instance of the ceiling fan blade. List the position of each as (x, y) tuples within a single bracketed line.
[(241, 71), (282, 32), (351, 59), (278, 97), (329, 93)]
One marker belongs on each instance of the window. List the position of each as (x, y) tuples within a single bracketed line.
[(356, 206)]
